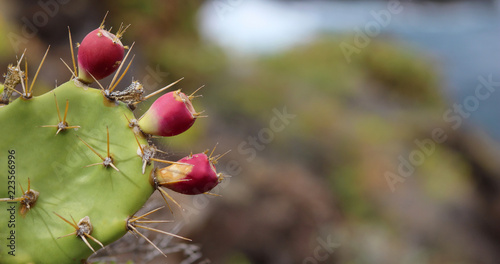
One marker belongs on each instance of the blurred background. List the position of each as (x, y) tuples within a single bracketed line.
[(360, 131)]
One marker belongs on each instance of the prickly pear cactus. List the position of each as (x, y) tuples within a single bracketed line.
[(76, 165)]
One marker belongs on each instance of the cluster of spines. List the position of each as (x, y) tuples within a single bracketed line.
[(15, 76), (27, 200)]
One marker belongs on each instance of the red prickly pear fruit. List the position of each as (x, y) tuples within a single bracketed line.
[(170, 115), (194, 174), (99, 55)]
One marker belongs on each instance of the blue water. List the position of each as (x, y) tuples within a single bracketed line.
[(464, 37)]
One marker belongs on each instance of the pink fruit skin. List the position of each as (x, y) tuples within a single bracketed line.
[(201, 179), (169, 115), (99, 55)]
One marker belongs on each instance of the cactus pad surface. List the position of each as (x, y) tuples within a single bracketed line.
[(56, 165)]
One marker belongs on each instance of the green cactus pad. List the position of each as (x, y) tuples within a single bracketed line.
[(57, 168)]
